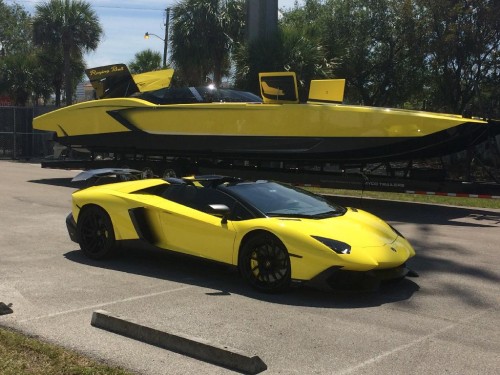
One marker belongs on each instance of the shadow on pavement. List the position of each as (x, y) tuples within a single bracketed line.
[(225, 280), (65, 182)]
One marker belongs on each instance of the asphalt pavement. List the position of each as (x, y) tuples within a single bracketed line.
[(447, 321)]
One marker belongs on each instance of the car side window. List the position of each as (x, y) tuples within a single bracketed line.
[(183, 194), (240, 213), (201, 198), (208, 196)]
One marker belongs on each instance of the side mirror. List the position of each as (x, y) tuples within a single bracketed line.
[(220, 210)]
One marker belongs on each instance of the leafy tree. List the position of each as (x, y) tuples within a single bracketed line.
[(376, 47), (202, 38), (442, 55), (17, 73), (15, 29), (145, 61), (70, 26), (17, 58), (463, 47)]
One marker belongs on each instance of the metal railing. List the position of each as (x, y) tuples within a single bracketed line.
[(18, 139)]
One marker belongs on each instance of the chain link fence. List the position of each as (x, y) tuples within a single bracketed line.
[(18, 139)]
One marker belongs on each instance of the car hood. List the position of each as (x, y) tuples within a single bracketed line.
[(356, 228)]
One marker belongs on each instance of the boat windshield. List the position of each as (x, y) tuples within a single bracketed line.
[(205, 94), (277, 200)]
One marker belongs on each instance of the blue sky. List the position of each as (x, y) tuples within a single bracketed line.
[(124, 23)]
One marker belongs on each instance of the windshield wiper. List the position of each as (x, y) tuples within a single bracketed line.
[(327, 214), (279, 214)]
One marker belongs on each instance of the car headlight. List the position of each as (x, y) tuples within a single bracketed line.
[(338, 246)]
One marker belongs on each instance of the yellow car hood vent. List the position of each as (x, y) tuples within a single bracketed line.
[(357, 228)]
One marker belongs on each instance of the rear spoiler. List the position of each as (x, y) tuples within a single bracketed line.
[(116, 81), (281, 88), (155, 80), (120, 174)]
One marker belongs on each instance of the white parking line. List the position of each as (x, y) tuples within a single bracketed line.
[(93, 307), (397, 349)]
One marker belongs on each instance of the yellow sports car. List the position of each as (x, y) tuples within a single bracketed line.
[(274, 233)]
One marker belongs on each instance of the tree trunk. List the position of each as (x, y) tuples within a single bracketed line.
[(58, 96), (68, 84)]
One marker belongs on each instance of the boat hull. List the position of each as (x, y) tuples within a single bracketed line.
[(333, 149), (335, 133)]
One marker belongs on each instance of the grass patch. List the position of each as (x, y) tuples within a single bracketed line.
[(20, 354), (431, 199)]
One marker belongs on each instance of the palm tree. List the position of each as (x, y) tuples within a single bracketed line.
[(145, 61), (70, 26), (203, 35)]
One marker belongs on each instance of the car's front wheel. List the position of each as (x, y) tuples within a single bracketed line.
[(265, 263), (95, 233)]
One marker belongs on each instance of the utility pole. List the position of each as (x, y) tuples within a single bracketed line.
[(262, 19), (165, 44)]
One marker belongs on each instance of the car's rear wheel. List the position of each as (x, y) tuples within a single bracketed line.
[(265, 263), (95, 233)]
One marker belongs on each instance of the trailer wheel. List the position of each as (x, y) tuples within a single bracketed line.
[(147, 172), (169, 173), (129, 177)]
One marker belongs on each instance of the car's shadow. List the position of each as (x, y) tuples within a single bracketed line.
[(225, 280), (63, 181)]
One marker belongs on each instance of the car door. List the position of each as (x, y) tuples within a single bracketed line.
[(188, 228)]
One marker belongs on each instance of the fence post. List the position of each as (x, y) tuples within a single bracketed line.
[(14, 133), (33, 134)]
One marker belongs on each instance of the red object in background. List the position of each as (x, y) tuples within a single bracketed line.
[(6, 101)]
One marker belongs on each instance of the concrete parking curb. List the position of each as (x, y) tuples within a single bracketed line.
[(191, 346)]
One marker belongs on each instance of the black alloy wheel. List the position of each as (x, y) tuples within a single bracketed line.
[(95, 233), (265, 263)]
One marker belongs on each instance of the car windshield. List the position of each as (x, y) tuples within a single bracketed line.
[(206, 94), (274, 199)]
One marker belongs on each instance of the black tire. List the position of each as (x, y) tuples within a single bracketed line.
[(123, 178), (264, 262), (147, 172), (95, 233)]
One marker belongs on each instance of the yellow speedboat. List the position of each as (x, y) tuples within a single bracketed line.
[(143, 114)]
